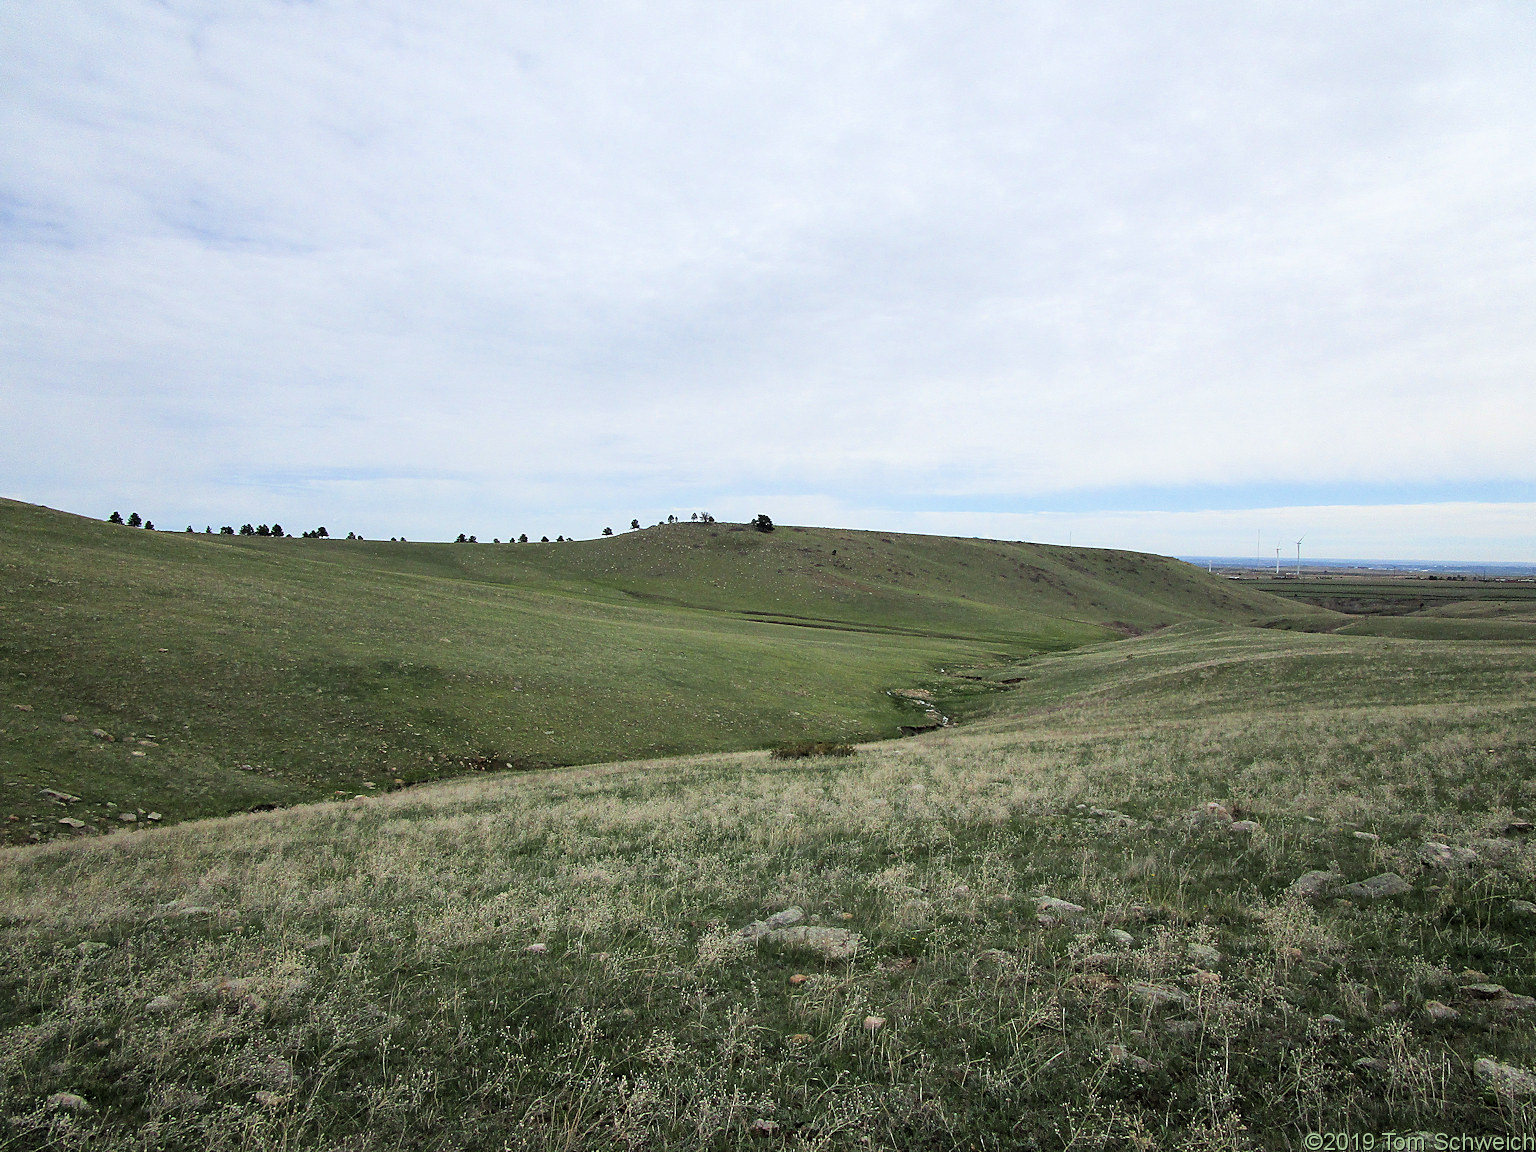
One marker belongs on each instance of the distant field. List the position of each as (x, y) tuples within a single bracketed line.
[(556, 959), (233, 672)]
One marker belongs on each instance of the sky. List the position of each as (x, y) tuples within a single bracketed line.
[(1178, 277)]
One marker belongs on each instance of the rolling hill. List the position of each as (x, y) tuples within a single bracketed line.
[(190, 675)]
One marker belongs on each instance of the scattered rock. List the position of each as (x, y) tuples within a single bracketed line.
[(874, 1023), (1053, 911), (761, 1127), (1331, 1020), (993, 958), (1204, 955), (69, 718), (785, 918), (68, 1101), (1369, 837), (1440, 1013), (537, 949), (128, 817), (828, 943), (91, 947), (1504, 1079), (1484, 991), (319, 942), (758, 929), (1314, 884), (269, 1099), (1370, 1064), (800, 1038), (1121, 936), (162, 1006), (1217, 812), (1243, 827), (1517, 828), (1378, 887), (1436, 855), (799, 978), (1522, 908), (71, 822), (55, 794), (102, 734), (22, 707), (277, 1072), (1158, 995), (1498, 996), (1123, 1056), (155, 816)]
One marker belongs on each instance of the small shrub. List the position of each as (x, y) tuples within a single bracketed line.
[(805, 748)]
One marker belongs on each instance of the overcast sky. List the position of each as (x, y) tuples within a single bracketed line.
[(1154, 275)]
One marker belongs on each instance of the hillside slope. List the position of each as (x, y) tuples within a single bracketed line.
[(233, 672), (1063, 937)]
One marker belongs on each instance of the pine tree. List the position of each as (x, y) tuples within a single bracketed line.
[(607, 531), (133, 520), (115, 518)]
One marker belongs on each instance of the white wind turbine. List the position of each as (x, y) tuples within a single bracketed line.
[(1298, 555)]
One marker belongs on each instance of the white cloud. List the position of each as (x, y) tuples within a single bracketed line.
[(422, 265)]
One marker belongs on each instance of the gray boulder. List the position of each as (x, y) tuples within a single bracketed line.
[(1378, 887), (1316, 883)]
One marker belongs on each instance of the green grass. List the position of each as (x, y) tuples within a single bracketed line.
[(234, 672), (384, 994)]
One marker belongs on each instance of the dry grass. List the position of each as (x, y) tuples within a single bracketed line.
[(359, 974)]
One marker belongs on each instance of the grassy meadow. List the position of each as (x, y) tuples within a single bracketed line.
[(188, 676), (556, 959)]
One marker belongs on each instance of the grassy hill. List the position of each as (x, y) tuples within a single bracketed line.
[(556, 959), (232, 672)]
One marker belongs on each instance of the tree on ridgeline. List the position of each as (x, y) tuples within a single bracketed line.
[(523, 539), (762, 523), (149, 525), (607, 531), (115, 518), (263, 530), (463, 539), (634, 523), (226, 531), (277, 529), (189, 529), (133, 520), (544, 540), (247, 530)]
